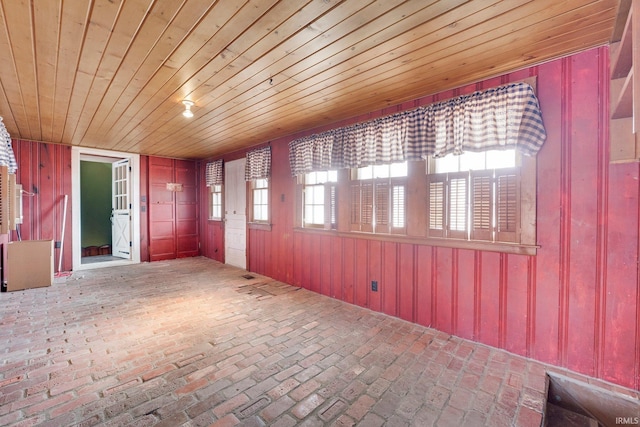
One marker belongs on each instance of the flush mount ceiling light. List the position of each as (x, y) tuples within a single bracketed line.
[(187, 108)]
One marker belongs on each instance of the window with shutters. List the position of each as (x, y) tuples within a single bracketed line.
[(477, 197), (260, 200), (378, 199), (319, 199), (215, 202)]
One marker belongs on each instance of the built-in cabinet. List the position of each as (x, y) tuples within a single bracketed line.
[(173, 209), (625, 84)]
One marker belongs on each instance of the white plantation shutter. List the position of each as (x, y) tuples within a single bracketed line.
[(398, 207), (436, 205), (507, 206), (382, 207), (355, 206), (457, 205), (330, 206), (482, 205), (366, 206), (476, 205)]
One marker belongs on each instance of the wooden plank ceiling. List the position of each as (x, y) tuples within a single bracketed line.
[(112, 74)]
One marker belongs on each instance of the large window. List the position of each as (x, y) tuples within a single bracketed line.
[(260, 200), (476, 196), (480, 201), (215, 202), (320, 199), (378, 202)]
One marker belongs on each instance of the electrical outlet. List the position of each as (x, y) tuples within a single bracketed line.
[(374, 285)]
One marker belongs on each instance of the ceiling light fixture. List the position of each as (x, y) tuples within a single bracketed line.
[(187, 108)]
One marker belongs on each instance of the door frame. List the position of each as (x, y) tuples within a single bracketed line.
[(93, 154)]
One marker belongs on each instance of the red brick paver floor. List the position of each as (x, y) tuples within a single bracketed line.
[(192, 343)]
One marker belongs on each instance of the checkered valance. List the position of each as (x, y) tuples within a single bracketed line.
[(214, 172), (258, 163), (506, 116), (7, 157)]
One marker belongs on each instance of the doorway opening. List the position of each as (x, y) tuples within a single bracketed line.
[(106, 212)]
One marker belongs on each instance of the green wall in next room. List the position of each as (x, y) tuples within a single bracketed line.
[(95, 203)]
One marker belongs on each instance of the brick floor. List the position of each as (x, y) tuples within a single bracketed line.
[(191, 342)]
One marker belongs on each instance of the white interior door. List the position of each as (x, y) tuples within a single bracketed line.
[(235, 214), (121, 210)]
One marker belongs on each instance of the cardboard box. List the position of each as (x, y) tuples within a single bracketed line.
[(29, 264)]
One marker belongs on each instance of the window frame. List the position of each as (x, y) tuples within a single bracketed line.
[(523, 232), (382, 203), (212, 193), (267, 198), (416, 224), (330, 202)]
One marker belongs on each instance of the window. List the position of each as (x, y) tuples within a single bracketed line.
[(215, 202), (260, 198), (476, 196), (320, 199), (378, 202)]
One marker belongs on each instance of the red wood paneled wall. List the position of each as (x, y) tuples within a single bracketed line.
[(576, 304), (44, 170), (173, 215), (213, 240)]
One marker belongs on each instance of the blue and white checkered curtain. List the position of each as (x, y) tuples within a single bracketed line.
[(7, 157), (503, 117), (214, 173), (258, 164), (506, 116)]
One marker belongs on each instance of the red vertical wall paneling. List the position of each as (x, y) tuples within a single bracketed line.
[(417, 284), (444, 283), (361, 268), (325, 273), (620, 318), (515, 303), (337, 268), (389, 276), (350, 260), (44, 170), (582, 218), (550, 200), (410, 282), (466, 296)]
